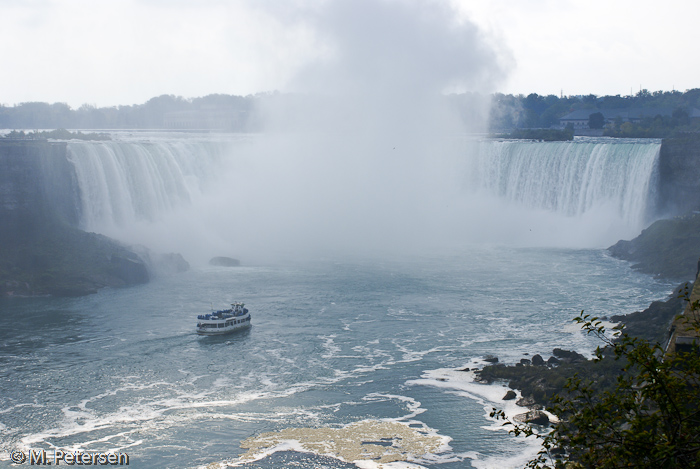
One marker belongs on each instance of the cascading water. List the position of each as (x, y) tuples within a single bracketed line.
[(233, 193), (123, 182), (570, 178)]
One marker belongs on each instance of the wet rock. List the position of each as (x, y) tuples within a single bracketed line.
[(568, 355), (524, 362), (129, 268), (491, 359), (536, 417), (537, 360), (526, 401), (510, 395), (552, 361)]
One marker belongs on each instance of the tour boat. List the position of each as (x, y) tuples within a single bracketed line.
[(224, 321)]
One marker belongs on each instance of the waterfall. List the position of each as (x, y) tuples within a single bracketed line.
[(570, 178), (124, 182), (223, 193)]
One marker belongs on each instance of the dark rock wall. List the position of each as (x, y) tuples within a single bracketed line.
[(42, 252), (37, 188), (679, 175)]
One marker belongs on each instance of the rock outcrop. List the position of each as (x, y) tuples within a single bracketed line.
[(679, 175), (42, 252), (668, 248)]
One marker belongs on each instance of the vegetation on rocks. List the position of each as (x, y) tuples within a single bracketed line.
[(541, 380), (648, 417)]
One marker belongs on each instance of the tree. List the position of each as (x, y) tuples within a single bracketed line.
[(651, 418), (596, 120)]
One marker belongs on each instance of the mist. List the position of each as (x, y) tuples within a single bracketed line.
[(364, 153)]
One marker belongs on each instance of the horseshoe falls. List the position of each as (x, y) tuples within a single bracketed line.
[(376, 273), (216, 191)]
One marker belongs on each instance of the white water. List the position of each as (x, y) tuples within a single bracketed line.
[(208, 195), (570, 178)]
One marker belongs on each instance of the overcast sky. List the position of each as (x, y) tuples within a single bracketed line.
[(115, 52)]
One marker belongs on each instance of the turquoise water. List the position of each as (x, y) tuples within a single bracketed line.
[(335, 341)]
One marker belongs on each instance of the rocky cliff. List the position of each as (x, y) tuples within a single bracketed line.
[(42, 252), (679, 175), (668, 248)]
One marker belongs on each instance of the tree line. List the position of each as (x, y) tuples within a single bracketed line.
[(508, 111), (149, 115), (535, 111)]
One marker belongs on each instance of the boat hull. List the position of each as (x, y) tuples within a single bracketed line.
[(224, 330), (222, 324)]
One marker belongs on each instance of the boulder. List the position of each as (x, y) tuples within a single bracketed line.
[(536, 417), (568, 355), (491, 359), (526, 401), (537, 360), (510, 395)]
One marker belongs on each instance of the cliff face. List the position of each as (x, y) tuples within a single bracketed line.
[(37, 186), (669, 247), (41, 249), (679, 175)]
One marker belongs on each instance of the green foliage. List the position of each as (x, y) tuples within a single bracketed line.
[(535, 111), (596, 120), (650, 419), (656, 127), (149, 115)]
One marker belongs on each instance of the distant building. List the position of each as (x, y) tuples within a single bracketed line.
[(579, 119)]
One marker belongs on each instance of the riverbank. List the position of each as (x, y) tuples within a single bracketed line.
[(539, 378)]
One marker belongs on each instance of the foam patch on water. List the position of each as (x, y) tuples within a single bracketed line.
[(391, 443), (367, 444)]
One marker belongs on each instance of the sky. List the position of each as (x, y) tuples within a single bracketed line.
[(121, 52)]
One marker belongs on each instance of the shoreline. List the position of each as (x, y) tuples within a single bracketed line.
[(537, 379)]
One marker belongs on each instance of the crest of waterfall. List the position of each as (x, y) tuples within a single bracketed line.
[(570, 178)]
